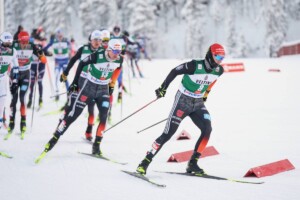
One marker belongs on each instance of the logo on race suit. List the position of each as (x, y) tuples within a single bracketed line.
[(155, 147), (179, 67), (206, 77), (199, 66), (101, 56), (83, 98), (61, 126), (217, 69), (179, 113), (197, 91)]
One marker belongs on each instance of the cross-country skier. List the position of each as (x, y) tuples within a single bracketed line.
[(8, 59), (199, 77), (62, 52), (37, 69), (83, 52), (20, 77), (102, 66)]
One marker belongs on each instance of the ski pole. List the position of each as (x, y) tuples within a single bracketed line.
[(128, 72), (50, 78), (130, 115), (152, 125), (58, 94), (34, 94)]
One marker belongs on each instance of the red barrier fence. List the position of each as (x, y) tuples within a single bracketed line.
[(289, 49)]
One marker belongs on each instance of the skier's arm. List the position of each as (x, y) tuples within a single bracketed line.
[(50, 43), (209, 89), (39, 53), (88, 60), (72, 61), (114, 78), (15, 59), (185, 68)]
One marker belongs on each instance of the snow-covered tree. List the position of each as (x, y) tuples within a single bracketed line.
[(293, 8), (142, 20), (276, 25), (96, 14), (10, 17), (194, 13)]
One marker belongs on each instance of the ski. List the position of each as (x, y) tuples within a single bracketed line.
[(103, 158), (55, 112), (22, 135), (142, 177), (7, 136), (209, 177), (5, 155), (38, 160)]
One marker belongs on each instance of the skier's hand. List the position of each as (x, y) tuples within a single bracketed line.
[(204, 99), (14, 87), (110, 90), (73, 88), (63, 77), (160, 92)]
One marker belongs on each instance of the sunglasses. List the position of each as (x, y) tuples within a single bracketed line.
[(105, 40), (116, 52), (219, 58), (97, 39)]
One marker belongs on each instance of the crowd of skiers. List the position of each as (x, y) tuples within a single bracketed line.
[(23, 64)]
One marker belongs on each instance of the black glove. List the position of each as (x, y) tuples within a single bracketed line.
[(73, 88), (160, 92), (204, 99), (63, 77), (14, 87), (110, 90)]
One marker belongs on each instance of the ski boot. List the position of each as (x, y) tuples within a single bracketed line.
[(23, 126), (51, 143), (88, 133), (120, 97), (40, 103), (96, 147), (48, 147), (142, 168), (10, 128), (192, 166), (29, 104)]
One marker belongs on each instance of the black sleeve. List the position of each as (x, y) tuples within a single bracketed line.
[(37, 50), (91, 59), (72, 61), (185, 68)]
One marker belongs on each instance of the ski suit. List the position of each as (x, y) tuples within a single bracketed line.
[(195, 86), (8, 59)]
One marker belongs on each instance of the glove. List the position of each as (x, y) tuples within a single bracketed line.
[(160, 92), (14, 87), (204, 99), (73, 88), (110, 90), (43, 59), (63, 77)]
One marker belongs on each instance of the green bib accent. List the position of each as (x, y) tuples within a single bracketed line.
[(200, 79), (5, 60), (102, 71)]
